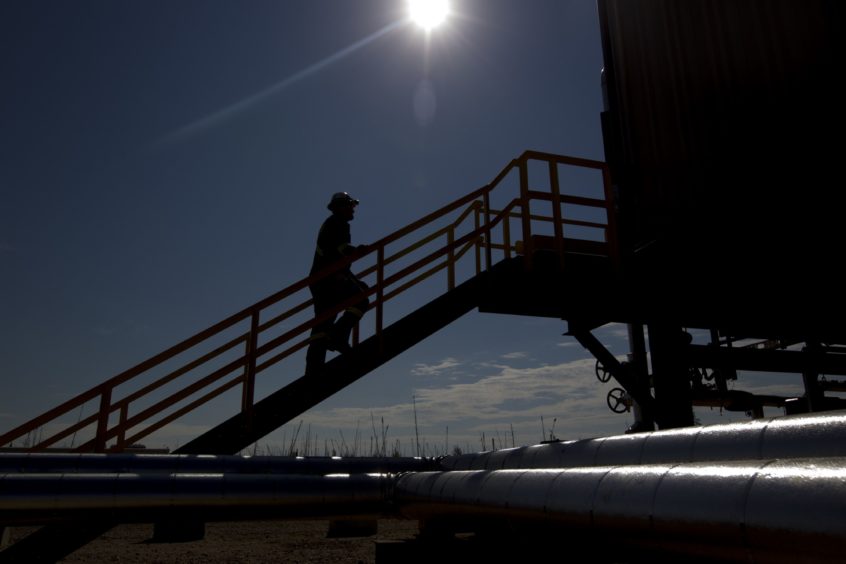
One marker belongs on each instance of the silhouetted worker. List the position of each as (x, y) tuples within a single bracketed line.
[(333, 244)]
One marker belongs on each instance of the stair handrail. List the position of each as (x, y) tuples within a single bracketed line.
[(481, 237)]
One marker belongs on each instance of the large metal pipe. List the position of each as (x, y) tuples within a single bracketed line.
[(763, 490), (147, 497), (759, 511), (794, 436), (39, 488), (180, 463)]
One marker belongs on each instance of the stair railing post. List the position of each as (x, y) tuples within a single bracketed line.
[(528, 249), (558, 225), (103, 420), (451, 258), (477, 223), (124, 415), (248, 392), (380, 290), (506, 233), (488, 232)]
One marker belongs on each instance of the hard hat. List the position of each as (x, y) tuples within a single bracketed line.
[(340, 199)]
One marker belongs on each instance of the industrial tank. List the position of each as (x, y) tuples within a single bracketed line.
[(723, 128)]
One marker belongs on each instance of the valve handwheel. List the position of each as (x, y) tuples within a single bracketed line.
[(618, 400), (601, 373)]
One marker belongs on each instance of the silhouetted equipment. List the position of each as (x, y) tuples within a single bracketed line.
[(721, 132), (721, 128)]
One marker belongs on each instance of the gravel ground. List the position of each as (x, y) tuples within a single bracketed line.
[(255, 542)]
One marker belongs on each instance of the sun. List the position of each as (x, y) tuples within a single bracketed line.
[(428, 13)]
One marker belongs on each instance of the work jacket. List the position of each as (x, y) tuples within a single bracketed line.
[(333, 244)]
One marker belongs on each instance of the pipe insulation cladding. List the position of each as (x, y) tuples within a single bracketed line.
[(794, 436), (761, 511), (47, 462), (128, 497)]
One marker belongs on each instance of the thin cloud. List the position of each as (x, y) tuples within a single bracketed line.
[(514, 355), (510, 393), (445, 365)]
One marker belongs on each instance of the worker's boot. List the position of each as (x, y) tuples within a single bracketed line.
[(339, 337), (316, 354)]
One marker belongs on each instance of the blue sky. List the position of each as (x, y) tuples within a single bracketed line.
[(165, 164)]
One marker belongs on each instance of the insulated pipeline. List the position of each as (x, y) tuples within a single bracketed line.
[(146, 497), (40, 462), (773, 510), (799, 436)]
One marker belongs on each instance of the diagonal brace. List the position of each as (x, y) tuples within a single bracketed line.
[(621, 372)]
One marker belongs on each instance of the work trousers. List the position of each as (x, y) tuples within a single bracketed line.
[(327, 295)]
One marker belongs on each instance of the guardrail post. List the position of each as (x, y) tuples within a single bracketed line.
[(477, 223), (124, 414), (451, 258), (528, 249), (250, 365), (103, 420), (506, 234), (380, 291), (557, 223), (489, 232)]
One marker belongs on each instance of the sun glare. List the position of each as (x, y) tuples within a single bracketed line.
[(428, 13)]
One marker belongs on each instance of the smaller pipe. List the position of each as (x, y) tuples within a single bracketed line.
[(27, 499), (65, 463)]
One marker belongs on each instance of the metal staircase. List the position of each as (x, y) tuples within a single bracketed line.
[(542, 223)]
